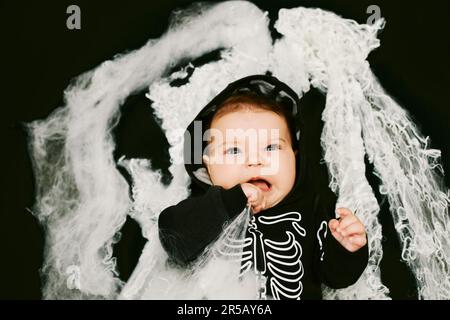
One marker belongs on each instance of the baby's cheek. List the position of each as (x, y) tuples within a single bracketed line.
[(227, 176), (287, 172), (287, 161)]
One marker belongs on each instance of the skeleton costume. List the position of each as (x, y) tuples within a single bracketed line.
[(289, 245)]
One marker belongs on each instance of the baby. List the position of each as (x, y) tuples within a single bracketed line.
[(254, 154)]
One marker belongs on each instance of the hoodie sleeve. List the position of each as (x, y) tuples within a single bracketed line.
[(187, 228), (338, 267)]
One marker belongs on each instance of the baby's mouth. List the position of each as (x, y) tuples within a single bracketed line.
[(261, 183)]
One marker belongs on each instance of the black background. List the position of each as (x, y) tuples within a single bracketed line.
[(41, 56)]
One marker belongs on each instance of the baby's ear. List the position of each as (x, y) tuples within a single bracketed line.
[(205, 159)]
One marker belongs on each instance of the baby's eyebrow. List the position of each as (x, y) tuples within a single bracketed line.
[(281, 139), (212, 139), (234, 141), (224, 141)]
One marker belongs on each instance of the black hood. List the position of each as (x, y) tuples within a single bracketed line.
[(265, 85)]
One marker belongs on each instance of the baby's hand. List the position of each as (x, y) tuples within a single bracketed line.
[(255, 197), (348, 231)]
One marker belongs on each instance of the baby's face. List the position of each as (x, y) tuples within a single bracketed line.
[(252, 146)]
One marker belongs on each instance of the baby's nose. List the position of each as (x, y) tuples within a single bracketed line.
[(255, 159)]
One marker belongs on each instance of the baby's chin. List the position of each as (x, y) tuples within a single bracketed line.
[(274, 197)]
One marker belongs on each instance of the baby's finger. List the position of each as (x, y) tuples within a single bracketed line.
[(333, 224), (252, 197), (337, 235), (353, 229), (343, 212), (256, 209), (346, 221), (358, 240)]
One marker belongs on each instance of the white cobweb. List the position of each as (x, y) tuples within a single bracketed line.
[(82, 200)]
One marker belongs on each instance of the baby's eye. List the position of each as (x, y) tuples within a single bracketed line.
[(273, 147), (233, 150)]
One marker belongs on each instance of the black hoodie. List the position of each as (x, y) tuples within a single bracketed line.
[(290, 243)]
